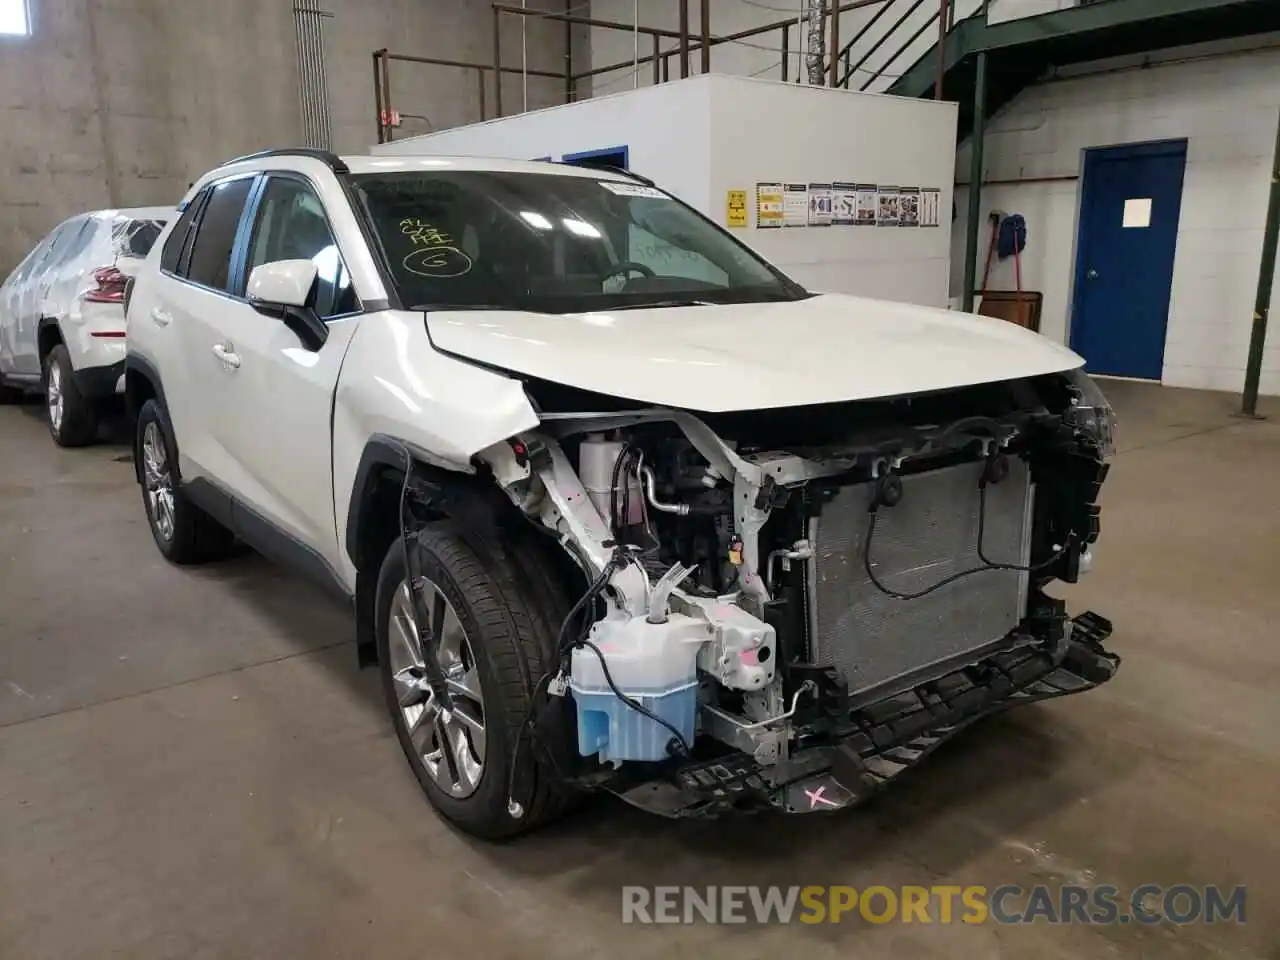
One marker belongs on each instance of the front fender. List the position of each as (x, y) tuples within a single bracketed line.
[(396, 387)]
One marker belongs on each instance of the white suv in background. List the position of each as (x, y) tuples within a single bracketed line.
[(600, 484), (62, 315)]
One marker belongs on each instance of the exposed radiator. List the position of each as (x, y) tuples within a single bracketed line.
[(883, 644)]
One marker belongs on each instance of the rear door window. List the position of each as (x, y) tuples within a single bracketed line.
[(80, 243), (210, 264), (171, 255), (63, 243)]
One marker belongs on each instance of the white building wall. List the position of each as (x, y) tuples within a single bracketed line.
[(1000, 11), (668, 137), (1226, 106), (761, 56), (767, 131)]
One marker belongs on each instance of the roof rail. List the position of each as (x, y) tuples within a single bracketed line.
[(329, 159)]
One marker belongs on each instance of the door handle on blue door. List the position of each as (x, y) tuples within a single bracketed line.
[(160, 318), (227, 355), (1092, 274)]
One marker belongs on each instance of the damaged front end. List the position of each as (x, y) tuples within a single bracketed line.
[(791, 607)]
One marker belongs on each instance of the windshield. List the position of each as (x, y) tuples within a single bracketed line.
[(554, 243)]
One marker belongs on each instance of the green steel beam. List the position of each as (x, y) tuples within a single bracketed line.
[(977, 144), (1266, 281)]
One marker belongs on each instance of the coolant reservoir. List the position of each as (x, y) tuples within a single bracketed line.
[(654, 664), (596, 459)]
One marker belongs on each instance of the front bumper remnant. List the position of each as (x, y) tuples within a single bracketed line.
[(888, 738)]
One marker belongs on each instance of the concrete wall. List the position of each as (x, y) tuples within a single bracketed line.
[(1226, 106), (123, 103)]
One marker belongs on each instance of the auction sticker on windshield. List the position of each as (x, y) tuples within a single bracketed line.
[(633, 190)]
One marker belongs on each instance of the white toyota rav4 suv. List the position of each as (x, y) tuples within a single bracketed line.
[(615, 503), (62, 315)]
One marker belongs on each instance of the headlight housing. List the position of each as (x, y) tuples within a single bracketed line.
[(1090, 413)]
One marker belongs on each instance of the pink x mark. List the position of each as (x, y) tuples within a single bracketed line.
[(816, 797)]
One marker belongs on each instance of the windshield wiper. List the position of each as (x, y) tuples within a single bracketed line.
[(654, 304)]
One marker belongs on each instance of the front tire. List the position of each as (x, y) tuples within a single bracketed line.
[(491, 646), (184, 533), (73, 417)]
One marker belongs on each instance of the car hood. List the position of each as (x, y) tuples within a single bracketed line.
[(824, 349)]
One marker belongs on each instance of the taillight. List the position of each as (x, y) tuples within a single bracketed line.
[(109, 286)]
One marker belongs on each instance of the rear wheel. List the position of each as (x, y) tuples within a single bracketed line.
[(73, 417), (488, 639), (184, 533)]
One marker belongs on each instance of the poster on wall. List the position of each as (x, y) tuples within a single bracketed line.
[(844, 206), (868, 205), (909, 207), (795, 204), (736, 208), (820, 205), (769, 205), (930, 204), (887, 215)]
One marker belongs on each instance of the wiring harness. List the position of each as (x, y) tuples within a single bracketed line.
[(888, 493)]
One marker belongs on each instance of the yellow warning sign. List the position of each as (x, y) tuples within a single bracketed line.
[(737, 208)]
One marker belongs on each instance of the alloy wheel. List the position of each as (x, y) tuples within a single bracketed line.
[(53, 396), (159, 481), (451, 745)]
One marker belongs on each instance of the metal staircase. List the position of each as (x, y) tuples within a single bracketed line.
[(896, 50)]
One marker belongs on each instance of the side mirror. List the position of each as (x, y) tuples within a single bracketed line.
[(283, 283), (283, 289)]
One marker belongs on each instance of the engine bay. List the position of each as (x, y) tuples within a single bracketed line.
[(763, 581)]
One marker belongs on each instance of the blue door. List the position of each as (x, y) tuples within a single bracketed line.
[(1124, 263)]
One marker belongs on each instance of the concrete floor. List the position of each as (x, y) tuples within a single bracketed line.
[(192, 766)]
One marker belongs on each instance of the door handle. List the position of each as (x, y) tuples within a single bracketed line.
[(160, 318), (228, 357), (1092, 274)]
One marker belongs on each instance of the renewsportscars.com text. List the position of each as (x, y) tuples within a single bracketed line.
[(1007, 904)]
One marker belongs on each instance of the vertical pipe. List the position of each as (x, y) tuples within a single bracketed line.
[(657, 67), (684, 38), (977, 142), (635, 44), (800, 41), (326, 116), (942, 49), (480, 88), (786, 50), (706, 36), (304, 80), (377, 90), (1266, 284), (835, 42), (497, 62), (568, 54), (386, 93)]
